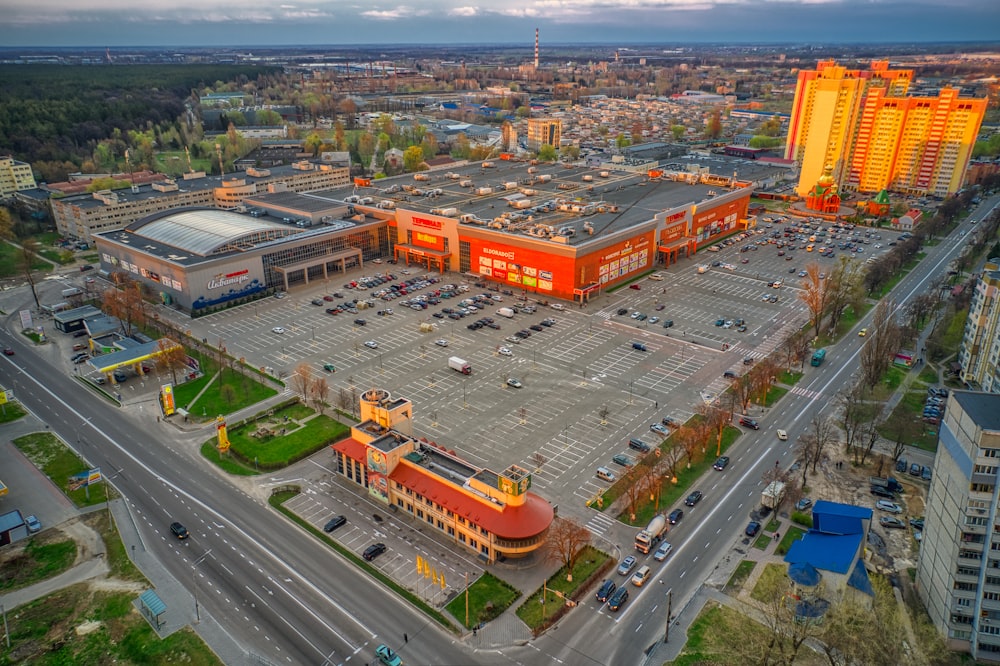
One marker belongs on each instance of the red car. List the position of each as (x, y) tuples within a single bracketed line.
[(8, 351), (634, 286)]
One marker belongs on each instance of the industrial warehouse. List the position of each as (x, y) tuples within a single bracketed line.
[(553, 230)]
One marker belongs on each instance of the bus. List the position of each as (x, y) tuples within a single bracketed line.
[(818, 357)]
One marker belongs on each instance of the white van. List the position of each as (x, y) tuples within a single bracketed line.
[(605, 474)]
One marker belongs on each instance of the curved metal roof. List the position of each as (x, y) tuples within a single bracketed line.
[(208, 231)]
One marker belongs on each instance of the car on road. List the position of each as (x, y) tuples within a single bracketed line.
[(627, 565), (373, 551), (803, 504), (891, 522), (505, 351), (441, 342), (334, 523), (675, 516), (721, 463), (618, 599), (605, 591), (888, 507), (693, 498), (278, 330), (7, 351), (660, 429), (663, 552), (31, 522), (640, 577), (387, 656), (782, 435), (749, 422), (514, 382), (371, 344), (753, 527), (179, 530), (863, 332)]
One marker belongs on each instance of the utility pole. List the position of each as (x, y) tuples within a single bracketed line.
[(670, 603)]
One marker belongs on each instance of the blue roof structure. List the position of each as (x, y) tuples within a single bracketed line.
[(859, 579), (834, 544), (804, 574), (836, 518), (827, 552)]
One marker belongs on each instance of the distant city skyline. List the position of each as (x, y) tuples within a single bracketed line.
[(249, 23)]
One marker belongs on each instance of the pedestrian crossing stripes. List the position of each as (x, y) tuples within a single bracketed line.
[(805, 392), (599, 524)]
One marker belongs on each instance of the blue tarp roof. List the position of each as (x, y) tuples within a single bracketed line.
[(837, 518), (859, 579), (803, 573), (10, 520), (826, 552)]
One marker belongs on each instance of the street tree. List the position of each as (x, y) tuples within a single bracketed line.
[(901, 428), (854, 411), (631, 480), (880, 345), (822, 435), (715, 419), (814, 294), (413, 159), (172, 356), (742, 391), (302, 379), (320, 390), (125, 302), (844, 289), (564, 542)]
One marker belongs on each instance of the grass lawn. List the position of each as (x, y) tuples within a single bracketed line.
[(762, 542), (40, 558), (951, 338), (9, 262), (11, 411), (774, 394), (532, 610), (245, 391), (488, 598), (772, 574), (275, 451), (671, 492), (56, 256), (227, 463), (773, 525), (174, 162), (58, 463), (743, 571), (790, 377), (709, 639), (928, 375), (792, 534)]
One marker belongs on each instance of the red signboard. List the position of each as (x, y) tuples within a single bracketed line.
[(427, 224)]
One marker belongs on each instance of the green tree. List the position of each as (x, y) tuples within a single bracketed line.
[(547, 153), (413, 158), (461, 150), (765, 142), (236, 118), (269, 117), (570, 152), (678, 131), (313, 143), (622, 141), (429, 146)]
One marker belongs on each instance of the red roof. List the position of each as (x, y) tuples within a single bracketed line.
[(351, 448), (507, 522)]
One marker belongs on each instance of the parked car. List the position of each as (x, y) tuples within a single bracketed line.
[(914, 469), (514, 382), (803, 504), (638, 445), (879, 491), (925, 473), (373, 551), (891, 522), (659, 429), (627, 565), (622, 459), (33, 525), (749, 422), (605, 591), (278, 330), (888, 507), (693, 498), (675, 516), (441, 342), (334, 523), (753, 527), (663, 552), (917, 523), (721, 463), (901, 465)]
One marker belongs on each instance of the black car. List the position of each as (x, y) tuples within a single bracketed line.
[(749, 423), (373, 551), (752, 528), (536, 327), (721, 463), (675, 516), (360, 322), (914, 469), (334, 523), (618, 599), (693, 498), (622, 311), (879, 491), (901, 465), (179, 530), (638, 445), (606, 590)]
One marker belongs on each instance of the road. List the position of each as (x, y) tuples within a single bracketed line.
[(301, 605), (715, 526)]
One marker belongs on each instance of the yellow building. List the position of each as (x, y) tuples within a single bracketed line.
[(542, 131), (15, 176), (875, 136), (492, 514)]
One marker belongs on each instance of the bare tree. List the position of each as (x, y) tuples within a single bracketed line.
[(125, 302), (172, 356), (816, 441), (320, 390), (854, 411), (881, 344), (538, 460), (564, 541), (844, 288), (742, 390), (715, 420), (815, 295), (633, 490), (761, 377), (861, 633), (902, 428), (302, 379)]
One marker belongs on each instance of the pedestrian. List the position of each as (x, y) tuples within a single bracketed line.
[(776, 536), (657, 403), (406, 639)]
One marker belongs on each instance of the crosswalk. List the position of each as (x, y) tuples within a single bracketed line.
[(599, 524), (798, 390)]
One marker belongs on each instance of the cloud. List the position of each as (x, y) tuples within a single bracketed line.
[(400, 12), (463, 11)]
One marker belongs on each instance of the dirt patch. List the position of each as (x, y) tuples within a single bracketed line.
[(88, 627), (117, 585)]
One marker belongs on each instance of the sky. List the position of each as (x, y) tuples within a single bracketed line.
[(249, 23)]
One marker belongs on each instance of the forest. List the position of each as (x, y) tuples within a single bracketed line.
[(54, 116)]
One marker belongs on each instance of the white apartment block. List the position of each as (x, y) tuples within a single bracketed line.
[(980, 351)]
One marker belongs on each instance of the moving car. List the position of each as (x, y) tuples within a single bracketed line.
[(675, 516), (641, 576), (618, 599), (749, 422), (863, 332), (329, 367), (7, 351), (626, 565), (663, 552), (721, 463), (605, 591), (373, 551), (334, 523), (387, 656), (782, 435), (179, 530)]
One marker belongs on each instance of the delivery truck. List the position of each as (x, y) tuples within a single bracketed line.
[(459, 365)]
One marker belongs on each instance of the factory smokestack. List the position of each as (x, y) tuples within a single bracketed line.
[(536, 48)]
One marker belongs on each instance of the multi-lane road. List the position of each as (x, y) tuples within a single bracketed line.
[(282, 595)]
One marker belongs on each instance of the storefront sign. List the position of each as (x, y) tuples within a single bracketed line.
[(229, 279), (428, 224), (428, 240)]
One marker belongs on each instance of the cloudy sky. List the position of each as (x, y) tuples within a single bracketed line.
[(343, 22)]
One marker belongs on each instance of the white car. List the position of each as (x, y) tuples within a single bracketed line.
[(782, 435), (656, 276), (505, 351), (557, 306), (663, 552), (890, 507), (515, 383), (278, 330), (371, 344), (441, 343)]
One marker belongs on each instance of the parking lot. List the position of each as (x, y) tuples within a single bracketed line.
[(585, 388)]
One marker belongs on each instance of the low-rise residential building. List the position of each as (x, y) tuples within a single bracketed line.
[(15, 176)]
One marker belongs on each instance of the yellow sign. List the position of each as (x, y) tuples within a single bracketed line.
[(220, 426), (167, 399), (3, 397)]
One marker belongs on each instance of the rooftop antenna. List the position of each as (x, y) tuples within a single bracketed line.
[(131, 177)]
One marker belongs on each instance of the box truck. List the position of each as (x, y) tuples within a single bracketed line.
[(459, 365)]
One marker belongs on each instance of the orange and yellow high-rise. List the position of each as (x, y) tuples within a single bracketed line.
[(876, 137)]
